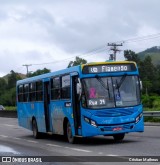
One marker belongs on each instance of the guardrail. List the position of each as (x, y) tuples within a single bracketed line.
[(151, 113)]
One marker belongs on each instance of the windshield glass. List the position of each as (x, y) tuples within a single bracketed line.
[(109, 92)]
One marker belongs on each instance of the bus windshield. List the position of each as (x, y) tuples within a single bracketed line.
[(110, 92)]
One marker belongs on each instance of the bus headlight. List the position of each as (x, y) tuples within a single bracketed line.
[(93, 123), (138, 118), (89, 121), (86, 119)]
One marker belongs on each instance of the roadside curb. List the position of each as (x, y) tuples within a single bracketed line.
[(151, 124)]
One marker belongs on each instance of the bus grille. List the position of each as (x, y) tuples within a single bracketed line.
[(114, 113)]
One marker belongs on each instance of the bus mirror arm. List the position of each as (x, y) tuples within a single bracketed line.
[(141, 85), (79, 88)]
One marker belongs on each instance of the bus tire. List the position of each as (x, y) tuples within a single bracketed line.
[(36, 134), (119, 137), (71, 139)]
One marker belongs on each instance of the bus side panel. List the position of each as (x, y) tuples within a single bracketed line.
[(23, 110), (26, 112), (58, 112), (38, 113)]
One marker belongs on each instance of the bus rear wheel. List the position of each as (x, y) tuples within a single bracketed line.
[(119, 137), (36, 134), (70, 137)]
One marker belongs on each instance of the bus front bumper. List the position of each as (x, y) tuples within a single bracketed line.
[(95, 130)]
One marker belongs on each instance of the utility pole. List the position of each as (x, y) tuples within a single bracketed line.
[(114, 49), (26, 65)]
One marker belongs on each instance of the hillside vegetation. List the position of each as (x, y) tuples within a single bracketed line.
[(153, 52)]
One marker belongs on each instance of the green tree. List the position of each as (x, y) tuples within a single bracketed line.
[(3, 87), (39, 72), (131, 56), (12, 79), (78, 61), (8, 89), (3, 84), (9, 97)]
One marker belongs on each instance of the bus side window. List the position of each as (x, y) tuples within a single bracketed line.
[(20, 93), (32, 90), (55, 88), (66, 87), (39, 91), (26, 92)]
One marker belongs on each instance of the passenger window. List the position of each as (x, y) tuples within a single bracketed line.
[(32, 89), (26, 93), (55, 88), (39, 91), (66, 87), (20, 93)]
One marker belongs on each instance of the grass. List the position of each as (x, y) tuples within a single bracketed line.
[(152, 119), (11, 108)]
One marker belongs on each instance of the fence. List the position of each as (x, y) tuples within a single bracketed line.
[(151, 113)]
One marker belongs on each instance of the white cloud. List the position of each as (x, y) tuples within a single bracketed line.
[(44, 31)]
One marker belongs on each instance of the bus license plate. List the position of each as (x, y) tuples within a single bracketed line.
[(117, 129)]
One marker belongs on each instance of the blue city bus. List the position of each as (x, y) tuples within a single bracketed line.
[(83, 101)]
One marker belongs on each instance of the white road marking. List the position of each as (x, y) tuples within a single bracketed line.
[(16, 138), (112, 155), (4, 136), (9, 125), (31, 141), (77, 149), (53, 145)]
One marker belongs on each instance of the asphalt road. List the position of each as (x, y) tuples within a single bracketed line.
[(17, 141)]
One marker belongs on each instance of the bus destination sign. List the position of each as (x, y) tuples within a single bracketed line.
[(109, 68)]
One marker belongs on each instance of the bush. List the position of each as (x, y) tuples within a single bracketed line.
[(151, 102), (152, 119), (10, 108)]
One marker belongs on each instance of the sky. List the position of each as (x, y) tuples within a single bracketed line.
[(51, 33)]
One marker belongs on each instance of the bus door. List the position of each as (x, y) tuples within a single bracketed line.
[(76, 105), (46, 104)]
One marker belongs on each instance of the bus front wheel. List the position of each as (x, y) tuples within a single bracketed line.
[(36, 134), (70, 137), (119, 137)]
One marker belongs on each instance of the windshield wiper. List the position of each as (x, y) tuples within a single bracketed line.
[(121, 81), (103, 84)]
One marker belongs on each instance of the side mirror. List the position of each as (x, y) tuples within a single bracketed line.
[(79, 87), (141, 85)]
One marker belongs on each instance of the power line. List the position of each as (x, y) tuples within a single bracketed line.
[(97, 50), (136, 39)]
